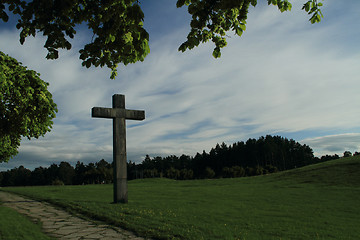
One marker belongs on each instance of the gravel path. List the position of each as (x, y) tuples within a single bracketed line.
[(62, 225)]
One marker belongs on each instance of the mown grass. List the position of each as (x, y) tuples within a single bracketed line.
[(14, 226), (321, 201)]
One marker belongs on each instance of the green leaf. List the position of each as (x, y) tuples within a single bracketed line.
[(128, 37), (180, 3), (239, 32), (113, 74), (182, 47), (243, 27), (112, 38), (216, 52), (306, 6), (4, 16), (88, 63)]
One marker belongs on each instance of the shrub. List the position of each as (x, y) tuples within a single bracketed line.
[(238, 171), (151, 173), (209, 173), (172, 173), (271, 169), (57, 182), (226, 172), (249, 171), (347, 154), (186, 174)]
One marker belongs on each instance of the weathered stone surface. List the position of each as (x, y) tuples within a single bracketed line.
[(119, 114)]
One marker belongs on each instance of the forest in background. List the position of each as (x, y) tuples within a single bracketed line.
[(264, 155)]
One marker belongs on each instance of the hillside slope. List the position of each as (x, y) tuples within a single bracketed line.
[(339, 172)]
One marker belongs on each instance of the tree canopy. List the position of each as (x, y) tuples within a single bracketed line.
[(26, 106), (212, 19), (117, 26)]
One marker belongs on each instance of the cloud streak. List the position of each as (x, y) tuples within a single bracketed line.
[(335, 144), (283, 76)]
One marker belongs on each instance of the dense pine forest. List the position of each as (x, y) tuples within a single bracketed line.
[(254, 157)]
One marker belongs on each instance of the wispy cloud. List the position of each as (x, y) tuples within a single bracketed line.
[(334, 144), (283, 75)]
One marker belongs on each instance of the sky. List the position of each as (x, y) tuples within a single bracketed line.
[(284, 76)]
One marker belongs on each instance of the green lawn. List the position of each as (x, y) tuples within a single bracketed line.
[(321, 201), (14, 226)]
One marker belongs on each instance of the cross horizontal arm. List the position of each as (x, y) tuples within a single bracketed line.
[(101, 112)]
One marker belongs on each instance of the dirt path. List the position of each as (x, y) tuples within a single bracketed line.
[(62, 225)]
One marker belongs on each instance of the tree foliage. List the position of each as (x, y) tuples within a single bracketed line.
[(117, 26), (26, 106), (62, 174), (212, 19), (254, 157)]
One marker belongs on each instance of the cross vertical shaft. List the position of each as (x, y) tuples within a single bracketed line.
[(119, 153), (119, 114)]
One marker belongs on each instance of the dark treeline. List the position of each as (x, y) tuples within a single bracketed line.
[(64, 173), (254, 157)]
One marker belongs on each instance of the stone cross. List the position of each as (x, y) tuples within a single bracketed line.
[(119, 114)]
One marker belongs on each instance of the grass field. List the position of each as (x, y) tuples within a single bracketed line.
[(14, 226), (320, 201)]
